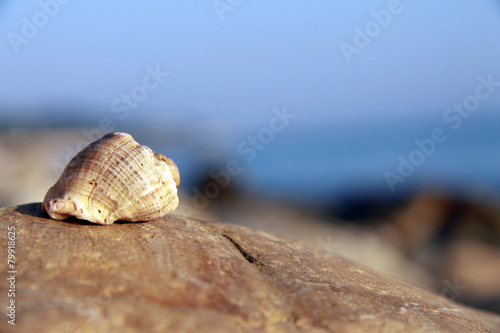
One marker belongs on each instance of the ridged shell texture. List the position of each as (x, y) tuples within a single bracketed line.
[(115, 178)]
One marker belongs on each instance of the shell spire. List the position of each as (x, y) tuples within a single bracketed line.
[(115, 178)]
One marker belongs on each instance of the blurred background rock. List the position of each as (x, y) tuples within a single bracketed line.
[(273, 125)]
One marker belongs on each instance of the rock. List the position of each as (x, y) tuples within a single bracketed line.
[(478, 266), (178, 274), (19, 153)]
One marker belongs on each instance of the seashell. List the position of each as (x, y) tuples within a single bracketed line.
[(115, 178)]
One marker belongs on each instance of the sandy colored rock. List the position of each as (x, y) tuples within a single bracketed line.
[(178, 274)]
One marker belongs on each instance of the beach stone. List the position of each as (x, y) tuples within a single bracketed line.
[(179, 274)]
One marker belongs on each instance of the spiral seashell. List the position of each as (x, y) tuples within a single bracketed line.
[(115, 178)]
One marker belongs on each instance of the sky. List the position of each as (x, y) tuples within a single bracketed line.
[(236, 59), (363, 79)]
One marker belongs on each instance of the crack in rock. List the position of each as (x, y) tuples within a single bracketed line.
[(248, 257)]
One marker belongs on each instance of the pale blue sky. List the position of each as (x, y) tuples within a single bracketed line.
[(228, 71), (263, 54)]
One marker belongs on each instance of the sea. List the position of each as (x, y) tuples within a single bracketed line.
[(315, 162)]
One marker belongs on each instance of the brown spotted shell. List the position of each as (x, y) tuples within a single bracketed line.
[(114, 178)]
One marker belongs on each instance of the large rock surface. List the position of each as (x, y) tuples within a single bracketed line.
[(178, 274)]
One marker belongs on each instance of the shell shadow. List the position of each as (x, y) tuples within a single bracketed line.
[(31, 209), (35, 209)]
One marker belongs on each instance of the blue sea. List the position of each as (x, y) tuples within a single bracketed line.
[(316, 162), (320, 163)]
